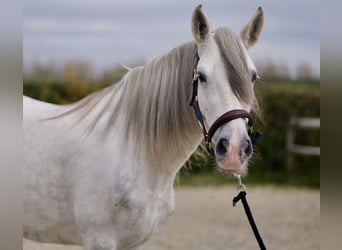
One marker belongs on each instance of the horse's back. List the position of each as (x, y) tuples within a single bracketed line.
[(35, 108)]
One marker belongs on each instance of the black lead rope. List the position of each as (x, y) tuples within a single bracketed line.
[(242, 196), (254, 136)]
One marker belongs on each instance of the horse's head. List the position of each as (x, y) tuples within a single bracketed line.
[(226, 75)]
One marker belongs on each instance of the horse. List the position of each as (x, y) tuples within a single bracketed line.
[(100, 172)]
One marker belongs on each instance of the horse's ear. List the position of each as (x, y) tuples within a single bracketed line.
[(200, 25), (251, 32)]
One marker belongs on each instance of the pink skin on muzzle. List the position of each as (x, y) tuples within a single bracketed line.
[(231, 163)]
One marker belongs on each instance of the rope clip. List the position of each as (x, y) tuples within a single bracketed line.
[(241, 187)]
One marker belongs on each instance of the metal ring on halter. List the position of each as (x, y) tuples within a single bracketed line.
[(240, 187)]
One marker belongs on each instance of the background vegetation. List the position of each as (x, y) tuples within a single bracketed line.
[(279, 97)]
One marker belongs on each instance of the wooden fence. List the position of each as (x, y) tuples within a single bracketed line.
[(292, 148)]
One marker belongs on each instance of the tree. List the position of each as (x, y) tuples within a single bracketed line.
[(77, 72), (305, 72)]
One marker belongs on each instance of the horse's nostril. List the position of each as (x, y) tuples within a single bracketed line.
[(221, 147), (248, 148)]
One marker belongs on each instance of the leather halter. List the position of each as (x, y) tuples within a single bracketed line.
[(223, 119)]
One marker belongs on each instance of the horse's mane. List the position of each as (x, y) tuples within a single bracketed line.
[(153, 100), (156, 101)]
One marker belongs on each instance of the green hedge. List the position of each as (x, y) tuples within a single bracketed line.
[(278, 102), (59, 92)]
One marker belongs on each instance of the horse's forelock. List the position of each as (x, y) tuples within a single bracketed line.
[(235, 63)]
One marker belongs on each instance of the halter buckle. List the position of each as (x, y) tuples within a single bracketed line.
[(195, 78), (250, 129)]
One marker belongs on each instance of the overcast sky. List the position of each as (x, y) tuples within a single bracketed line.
[(105, 32)]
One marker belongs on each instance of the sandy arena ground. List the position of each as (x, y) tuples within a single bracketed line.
[(287, 218)]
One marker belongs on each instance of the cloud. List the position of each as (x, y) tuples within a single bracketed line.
[(131, 28), (47, 26)]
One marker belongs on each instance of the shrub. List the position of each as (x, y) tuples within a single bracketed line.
[(59, 92)]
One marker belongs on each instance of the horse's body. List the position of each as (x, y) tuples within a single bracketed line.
[(76, 185), (100, 172)]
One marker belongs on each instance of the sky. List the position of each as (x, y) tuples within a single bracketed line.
[(107, 32)]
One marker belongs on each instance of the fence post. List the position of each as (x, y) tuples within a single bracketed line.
[(293, 148)]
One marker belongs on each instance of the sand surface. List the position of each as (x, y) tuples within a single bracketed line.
[(287, 218)]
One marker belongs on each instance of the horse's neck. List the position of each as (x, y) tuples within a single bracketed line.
[(149, 109), (168, 157)]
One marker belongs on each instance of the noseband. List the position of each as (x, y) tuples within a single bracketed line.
[(223, 119)]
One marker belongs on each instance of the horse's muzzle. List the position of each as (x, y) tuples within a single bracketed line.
[(232, 156)]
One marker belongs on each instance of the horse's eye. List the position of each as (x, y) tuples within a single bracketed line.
[(255, 77), (202, 77)]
